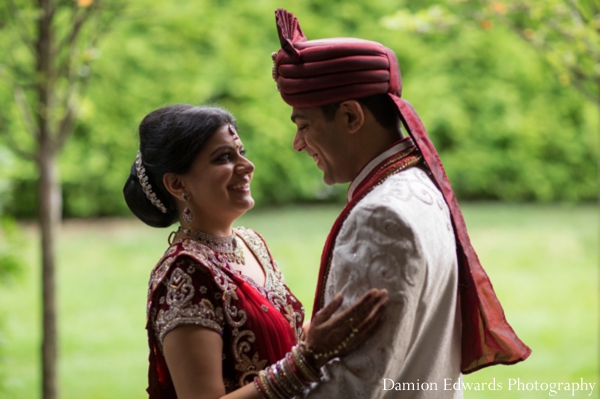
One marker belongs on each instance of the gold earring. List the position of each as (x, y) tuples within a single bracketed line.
[(188, 215)]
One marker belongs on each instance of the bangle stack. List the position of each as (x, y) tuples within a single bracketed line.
[(287, 378)]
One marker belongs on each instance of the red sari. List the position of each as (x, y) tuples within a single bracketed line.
[(192, 285)]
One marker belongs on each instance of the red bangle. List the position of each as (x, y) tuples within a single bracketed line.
[(259, 388), (274, 384)]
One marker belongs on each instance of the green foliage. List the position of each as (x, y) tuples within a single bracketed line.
[(565, 32), (11, 242), (10, 239), (10, 265), (11, 268), (516, 129), (505, 126)]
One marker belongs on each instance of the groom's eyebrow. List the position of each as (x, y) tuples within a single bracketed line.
[(296, 116)]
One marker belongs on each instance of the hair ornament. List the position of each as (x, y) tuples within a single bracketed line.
[(146, 186)]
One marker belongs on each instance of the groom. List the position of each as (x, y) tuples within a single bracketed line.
[(401, 230)]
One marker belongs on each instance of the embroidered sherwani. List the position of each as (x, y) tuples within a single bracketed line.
[(398, 236), (192, 285)]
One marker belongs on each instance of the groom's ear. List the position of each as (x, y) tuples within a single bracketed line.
[(351, 115)]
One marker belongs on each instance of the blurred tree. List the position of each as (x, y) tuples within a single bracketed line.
[(480, 92), (49, 47), (565, 32)]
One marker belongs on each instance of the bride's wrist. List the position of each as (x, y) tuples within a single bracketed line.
[(315, 360)]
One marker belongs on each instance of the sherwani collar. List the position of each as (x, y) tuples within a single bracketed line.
[(371, 166)]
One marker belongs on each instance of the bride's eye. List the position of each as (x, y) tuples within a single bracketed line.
[(224, 157)]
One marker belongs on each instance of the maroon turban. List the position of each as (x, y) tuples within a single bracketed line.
[(319, 72)]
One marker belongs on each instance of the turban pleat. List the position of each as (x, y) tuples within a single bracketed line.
[(330, 81), (336, 94), (328, 49), (337, 65)]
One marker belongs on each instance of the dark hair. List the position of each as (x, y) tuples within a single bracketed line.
[(380, 105), (170, 139)]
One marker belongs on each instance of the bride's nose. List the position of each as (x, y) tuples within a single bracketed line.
[(244, 166)]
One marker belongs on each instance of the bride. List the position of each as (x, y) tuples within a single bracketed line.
[(221, 322)]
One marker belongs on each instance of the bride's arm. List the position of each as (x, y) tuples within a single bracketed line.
[(194, 357)]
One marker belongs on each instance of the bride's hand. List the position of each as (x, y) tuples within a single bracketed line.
[(333, 336)]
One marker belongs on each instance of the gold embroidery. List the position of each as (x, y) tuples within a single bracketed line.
[(180, 293), (159, 274), (181, 289), (275, 289), (249, 367), (234, 317), (289, 314)]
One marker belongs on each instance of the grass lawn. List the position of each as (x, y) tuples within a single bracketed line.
[(543, 261)]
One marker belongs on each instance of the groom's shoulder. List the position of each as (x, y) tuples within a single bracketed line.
[(409, 197), (403, 190)]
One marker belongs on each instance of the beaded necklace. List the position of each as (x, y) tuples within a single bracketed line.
[(228, 247)]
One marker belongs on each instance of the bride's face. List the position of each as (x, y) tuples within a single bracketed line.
[(218, 182)]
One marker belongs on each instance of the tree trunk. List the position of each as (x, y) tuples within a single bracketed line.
[(50, 204), (48, 192)]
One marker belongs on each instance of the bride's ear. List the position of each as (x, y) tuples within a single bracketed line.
[(174, 185)]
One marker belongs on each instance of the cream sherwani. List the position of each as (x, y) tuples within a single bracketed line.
[(398, 237)]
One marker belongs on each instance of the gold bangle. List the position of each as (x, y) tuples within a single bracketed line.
[(258, 387), (300, 361), (274, 382), (296, 382), (265, 384), (283, 379)]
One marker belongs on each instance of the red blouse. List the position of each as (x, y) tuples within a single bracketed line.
[(192, 285)]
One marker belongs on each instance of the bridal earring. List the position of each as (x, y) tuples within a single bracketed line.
[(188, 215)]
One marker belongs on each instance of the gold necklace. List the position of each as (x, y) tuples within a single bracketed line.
[(228, 247)]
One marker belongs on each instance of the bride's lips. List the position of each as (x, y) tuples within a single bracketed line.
[(242, 186)]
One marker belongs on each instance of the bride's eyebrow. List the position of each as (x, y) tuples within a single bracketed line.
[(220, 148)]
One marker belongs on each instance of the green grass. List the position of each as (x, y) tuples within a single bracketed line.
[(543, 261)]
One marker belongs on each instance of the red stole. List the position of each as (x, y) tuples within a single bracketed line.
[(487, 338)]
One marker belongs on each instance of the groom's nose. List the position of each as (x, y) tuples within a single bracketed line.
[(298, 143)]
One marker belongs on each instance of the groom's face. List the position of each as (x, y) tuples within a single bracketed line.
[(322, 140)]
